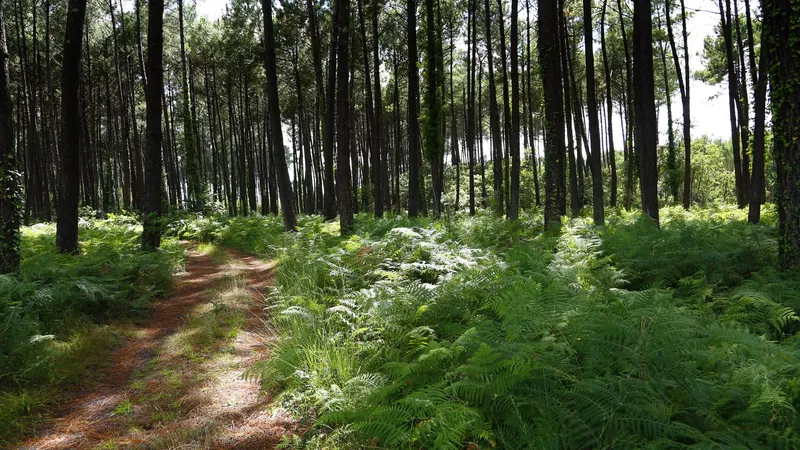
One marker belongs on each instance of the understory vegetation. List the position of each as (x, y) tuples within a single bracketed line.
[(479, 333), (62, 315)]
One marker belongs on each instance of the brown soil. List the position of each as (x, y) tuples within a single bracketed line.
[(210, 403)]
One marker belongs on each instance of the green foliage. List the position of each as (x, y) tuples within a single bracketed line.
[(50, 313), (471, 332)]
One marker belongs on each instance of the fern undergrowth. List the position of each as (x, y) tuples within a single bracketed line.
[(476, 333)]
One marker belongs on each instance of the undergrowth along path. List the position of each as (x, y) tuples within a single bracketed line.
[(177, 380)]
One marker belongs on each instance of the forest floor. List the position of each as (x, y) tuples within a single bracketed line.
[(178, 379)]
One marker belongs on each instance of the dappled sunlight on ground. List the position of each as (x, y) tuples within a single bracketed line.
[(179, 381)]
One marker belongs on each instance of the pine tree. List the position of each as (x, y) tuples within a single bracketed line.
[(9, 182), (67, 227), (151, 234)]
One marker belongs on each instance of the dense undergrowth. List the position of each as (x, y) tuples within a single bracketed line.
[(474, 333), (55, 314)]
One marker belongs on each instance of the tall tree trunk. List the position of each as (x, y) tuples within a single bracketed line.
[(673, 182), (456, 158), (195, 189), (413, 112), (506, 101), (470, 103), (329, 206), (494, 119), (782, 22), (683, 87), (433, 140), (343, 116), (550, 69), (575, 187), (725, 23), (645, 107), (513, 207), (610, 111), (371, 140), (757, 182), (9, 182), (282, 170), (534, 162), (594, 123), (67, 226), (151, 234), (629, 108)]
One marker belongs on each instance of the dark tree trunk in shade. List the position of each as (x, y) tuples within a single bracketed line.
[(494, 118), (67, 218), (281, 169), (782, 21), (9, 183), (757, 182), (725, 24), (594, 123), (575, 186), (329, 204), (513, 207), (550, 69), (151, 234), (414, 156), (343, 117), (645, 107), (610, 108)]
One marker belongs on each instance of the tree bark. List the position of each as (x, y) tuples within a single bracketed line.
[(594, 123), (645, 107), (67, 226), (413, 112), (513, 208), (550, 69), (282, 170), (9, 182), (494, 119), (151, 234)]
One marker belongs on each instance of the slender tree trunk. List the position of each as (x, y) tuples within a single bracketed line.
[(575, 187), (151, 234), (282, 170), (550, 69), (9, 182), (594, 123), (534, 162), (494, 119), (629, 108), (732, 94), (342, 28), (610, 111), (329, 206), (67, 226), (195, 189), (645, 106), (782, 22), (757, 182), (683, 87), (513, 208), (414, 197)]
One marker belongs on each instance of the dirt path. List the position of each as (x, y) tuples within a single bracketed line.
[(176, 382)]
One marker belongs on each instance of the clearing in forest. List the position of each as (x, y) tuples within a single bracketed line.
[(177, 381)]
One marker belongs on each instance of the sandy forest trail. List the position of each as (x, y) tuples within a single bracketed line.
[(176, 381)]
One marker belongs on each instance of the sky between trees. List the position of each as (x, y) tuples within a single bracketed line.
[(709, 109)]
